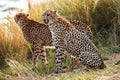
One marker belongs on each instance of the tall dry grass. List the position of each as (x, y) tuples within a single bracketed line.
[(101, 15), (12, 43)]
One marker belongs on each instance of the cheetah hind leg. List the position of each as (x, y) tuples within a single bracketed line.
[(42, 57), (39, 51), (34, 62)]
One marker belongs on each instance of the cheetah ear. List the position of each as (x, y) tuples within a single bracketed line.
[(54, 11)]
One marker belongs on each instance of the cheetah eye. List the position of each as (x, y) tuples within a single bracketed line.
[(48, 14), (18, 16)]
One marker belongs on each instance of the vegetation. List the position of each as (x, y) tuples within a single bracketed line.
[(12, 44), (102, 16)]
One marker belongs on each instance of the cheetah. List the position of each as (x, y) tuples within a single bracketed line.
[(39, 35), (66, 38)]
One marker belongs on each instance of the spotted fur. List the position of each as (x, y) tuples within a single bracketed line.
[(39, 35), (66, 38)]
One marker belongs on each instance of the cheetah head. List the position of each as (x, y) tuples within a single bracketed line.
[(49, 16), (20, 16)]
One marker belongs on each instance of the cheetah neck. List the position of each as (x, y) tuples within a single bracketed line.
[(62, 22), (22, 23)]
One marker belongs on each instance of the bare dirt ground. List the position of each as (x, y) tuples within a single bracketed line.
[(113, 58)]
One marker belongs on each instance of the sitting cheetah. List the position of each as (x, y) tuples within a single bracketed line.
[(66, 38), (39, 35)]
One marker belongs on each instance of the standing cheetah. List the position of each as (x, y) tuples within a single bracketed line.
[(66, 38), (39, 35)]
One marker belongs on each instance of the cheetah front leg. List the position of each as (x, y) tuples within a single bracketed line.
[(39, 50), (59, 60), (73, 62)]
